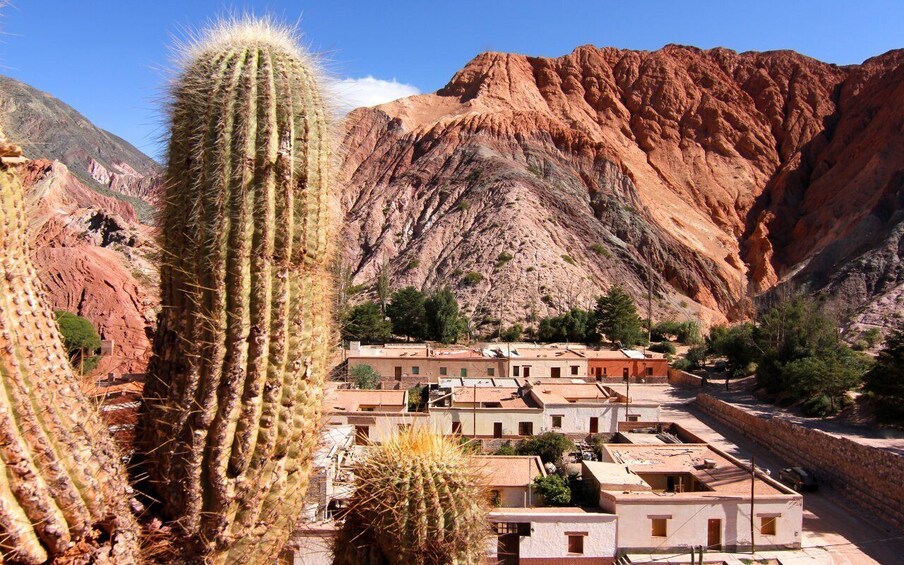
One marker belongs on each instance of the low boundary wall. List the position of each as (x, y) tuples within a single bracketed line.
[(869, 477), (683, 378)]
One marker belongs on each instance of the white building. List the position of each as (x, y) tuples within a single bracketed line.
[(587, 408), (543, 536)]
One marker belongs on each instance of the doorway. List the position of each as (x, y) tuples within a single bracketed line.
[(497, 429), (714, 535), (526, 371), (594, 425), (508, 549), (398, 373), (624, 373), (456, 428)]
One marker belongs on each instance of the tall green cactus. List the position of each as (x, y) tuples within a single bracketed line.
[(240, 355), (63, 489), (419, 500)]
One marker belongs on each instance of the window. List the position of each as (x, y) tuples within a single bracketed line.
[(491, 372), (556, 422), (464, 372), (362, 435), (525, 428), (574, 369), (605, 371), (649, 371), (516, 371), (456, 427), (633, 418), (443, 371), (576, 542), (495, 498), (520, 528), (555, 372), (767, 525), (415, 370), (659, 528)]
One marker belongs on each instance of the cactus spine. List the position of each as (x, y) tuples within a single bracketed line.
[(419, 500), (62, 485), (240, 354)]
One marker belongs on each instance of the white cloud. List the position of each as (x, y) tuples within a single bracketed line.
[(351, 93)]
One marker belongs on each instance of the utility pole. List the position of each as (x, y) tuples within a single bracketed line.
[(752, 485), (649, 299), (627, 396), (474, 431)]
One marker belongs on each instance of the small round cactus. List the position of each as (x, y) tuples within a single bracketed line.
[(240, 354), (419, 500)]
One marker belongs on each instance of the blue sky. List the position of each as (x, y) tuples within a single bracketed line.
[(108, 59)]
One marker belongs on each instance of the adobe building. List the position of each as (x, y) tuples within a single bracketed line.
[(402, 367), (586, 408), (619, 366), (544, 536), (375, 414), (510, 479), (673, 497), (485, 412)]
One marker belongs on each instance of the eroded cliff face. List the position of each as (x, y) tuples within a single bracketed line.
[(726, 173), (95, 259)]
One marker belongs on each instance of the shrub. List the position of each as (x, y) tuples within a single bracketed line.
[(549, 446), (462, 205), (503, 258), (663, 347), (554, 489), (568, 259), (818, 406), (600, 249), (364, 377), (473, 278), (506, 449)]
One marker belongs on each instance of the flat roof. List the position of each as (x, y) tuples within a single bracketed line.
[(451, 382), (726, 477), (507, 397), (570, 393), (510, 470), (351, 400), (551, 511)]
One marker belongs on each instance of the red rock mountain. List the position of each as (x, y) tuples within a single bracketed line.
[(730, 173), (89, 199)]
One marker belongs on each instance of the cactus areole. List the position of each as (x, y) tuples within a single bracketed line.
[(63, 489), (234, 390)]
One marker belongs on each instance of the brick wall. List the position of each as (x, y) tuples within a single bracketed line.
[(869, 477)]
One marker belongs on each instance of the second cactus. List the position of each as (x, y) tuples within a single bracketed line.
[(234, 390)]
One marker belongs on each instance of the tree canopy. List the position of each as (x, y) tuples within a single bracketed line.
[(364, 377), (444, 324), (549, 446), (576, 325), (886, 379), (407, 311), (80, 339), (365, 322), (617, 319)]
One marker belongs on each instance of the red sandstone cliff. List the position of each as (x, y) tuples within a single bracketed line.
[(732, 172)]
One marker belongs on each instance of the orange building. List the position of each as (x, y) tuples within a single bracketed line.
[(618, 366)]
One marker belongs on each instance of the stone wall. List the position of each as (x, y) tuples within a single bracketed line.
[(869, 477), (683, 378)]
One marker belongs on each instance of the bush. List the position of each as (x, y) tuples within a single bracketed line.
[(549, 446), (473, 278), (364, 376), (506, 449), (600, 249), (512, 333), (818, 406), (696, 356), (568, 259), (663, 347), (682, 364), (554, 490), (503, 258)]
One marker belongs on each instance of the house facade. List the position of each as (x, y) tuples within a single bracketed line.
[(543, 536)]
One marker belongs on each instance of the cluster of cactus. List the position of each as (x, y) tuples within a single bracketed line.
[(235, 383), (63, 487), (234, 392), (419, 500)]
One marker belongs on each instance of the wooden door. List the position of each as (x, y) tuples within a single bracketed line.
[(508, 549), (555, 372), (497, 429), (714, 534), (526, 372), (594, 425), (624, 373), (398, 373)]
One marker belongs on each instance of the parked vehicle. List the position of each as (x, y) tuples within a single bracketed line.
[(798, 478)]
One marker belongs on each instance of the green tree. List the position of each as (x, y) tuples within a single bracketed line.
[(554, 489), (416, 398), (80, 339), (366, 323), (793, 329), (512, 333), (735, 343), (364, 377), (407, 312), (832, 373), (617, 319), (576, 325), (383, 285), (886, 379), (549, 446), (506, 449), (444, 324)]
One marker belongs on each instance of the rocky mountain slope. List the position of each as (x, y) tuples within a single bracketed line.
[(89, 199), (726, 173), (49, 128)]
